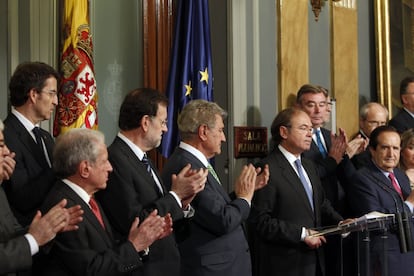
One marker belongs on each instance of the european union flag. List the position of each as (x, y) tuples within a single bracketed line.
[(190, 75)]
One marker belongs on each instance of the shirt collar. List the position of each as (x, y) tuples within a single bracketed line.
[(200, 156), (138, 152)]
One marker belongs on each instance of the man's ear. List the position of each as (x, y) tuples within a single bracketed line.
[(145, 121), (33, 95), (202, 132), (283, 131), (84, 169)]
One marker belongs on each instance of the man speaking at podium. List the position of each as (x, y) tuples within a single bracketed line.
[(382, 187)]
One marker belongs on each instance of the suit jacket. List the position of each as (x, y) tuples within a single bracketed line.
[(334, 176), (370, 191), (131, 192), (32, 177), (90, 250), (14, 248), (279, 211), (214, 243), (402, 121)]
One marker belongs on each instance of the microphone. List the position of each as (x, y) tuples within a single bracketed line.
[(402, 219)]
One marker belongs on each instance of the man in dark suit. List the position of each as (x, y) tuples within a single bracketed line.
[(33, 96), (404, 119), (371, 116), (331, 154), (286, 211), (81, 162), (18, 245), (214, 242), (382, 187), (135, 188)]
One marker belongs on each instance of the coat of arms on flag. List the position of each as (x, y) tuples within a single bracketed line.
[(78, 97)]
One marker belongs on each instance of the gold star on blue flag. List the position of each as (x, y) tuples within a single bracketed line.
[(190, 66)]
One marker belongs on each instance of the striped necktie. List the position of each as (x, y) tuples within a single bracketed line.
[(319, 142)]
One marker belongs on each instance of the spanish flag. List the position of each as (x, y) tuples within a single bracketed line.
[(78, 98)]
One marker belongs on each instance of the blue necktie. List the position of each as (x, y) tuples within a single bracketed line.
[(319, 142), (147, 164), (304, 181)]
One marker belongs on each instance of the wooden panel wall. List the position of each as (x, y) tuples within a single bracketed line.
[(158, 28), (293, 49), (345, 65)]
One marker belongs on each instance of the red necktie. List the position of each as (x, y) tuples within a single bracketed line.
[(95, 210), (395, 184)]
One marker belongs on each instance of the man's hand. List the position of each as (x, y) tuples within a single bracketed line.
[(262, 177), (245, 184), (150, 230), (355, 146), (338, 146), (188, 183), (75, 216), (314, 242), (44, 229), (8, 163), (168, 226)]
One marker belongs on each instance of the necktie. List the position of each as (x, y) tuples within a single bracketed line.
[(38, 136), (395, 184), (96, 211), (213, 173), (146, 163), (305, 183), (319, 142)]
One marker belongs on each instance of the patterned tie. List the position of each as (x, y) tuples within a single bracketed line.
[(146, 163), (96, 211), (213, 173), (394, 183), (319, 142), (305, 183)]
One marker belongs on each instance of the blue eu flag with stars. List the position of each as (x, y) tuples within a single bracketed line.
[(190, 75)]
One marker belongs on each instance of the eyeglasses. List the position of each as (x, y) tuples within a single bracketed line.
[(51, 93), (163, 122)]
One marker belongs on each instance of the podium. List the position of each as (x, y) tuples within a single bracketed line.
[(369, 222), (373, 221)]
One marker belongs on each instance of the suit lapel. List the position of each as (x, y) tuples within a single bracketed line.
[(88, 215), (327, 137), (210, 178), (138, 165), (27, 140), (292, 179)]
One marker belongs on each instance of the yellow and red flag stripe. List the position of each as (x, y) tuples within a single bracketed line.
[(78, 98)]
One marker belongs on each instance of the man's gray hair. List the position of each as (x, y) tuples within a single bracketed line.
[(73, 147), (197, 113)]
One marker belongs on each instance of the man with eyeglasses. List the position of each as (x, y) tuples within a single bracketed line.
[(331, 154), (33, 96), (404, 119), (135, 188), (371, 116), (286, 212)]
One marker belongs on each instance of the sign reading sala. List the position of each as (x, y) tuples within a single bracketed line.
[(250, 142)]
